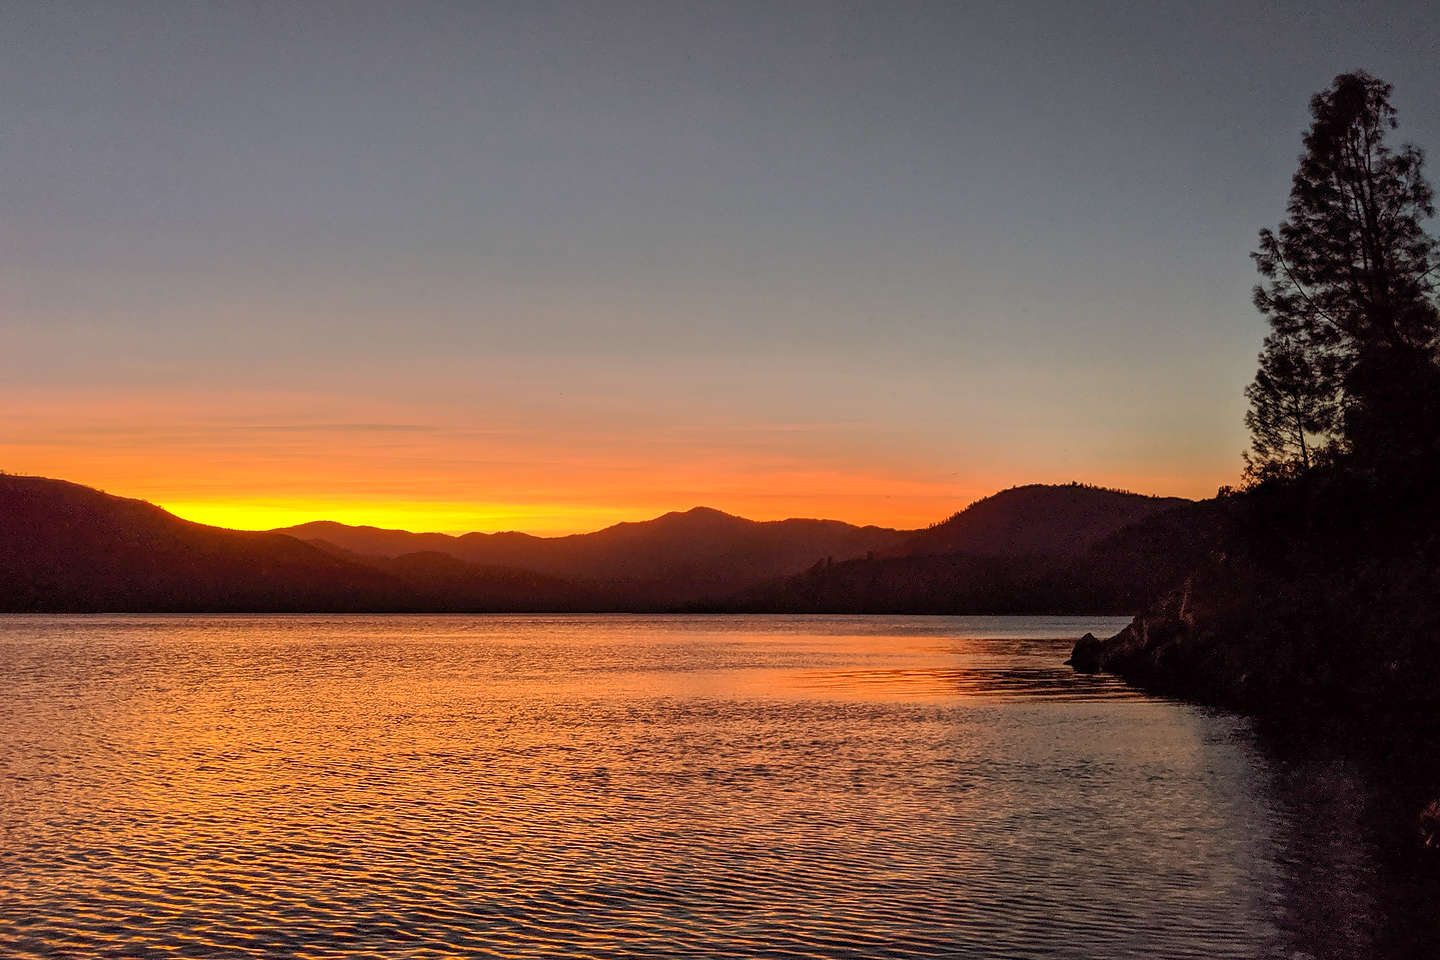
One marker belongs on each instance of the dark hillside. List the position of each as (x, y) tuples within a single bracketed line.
[(64, 547), (1320, 602), (68, 547), (439, 581), (674, 558), (1115, 575), (1038, 519)]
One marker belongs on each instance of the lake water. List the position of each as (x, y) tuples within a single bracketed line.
[(645, 787)]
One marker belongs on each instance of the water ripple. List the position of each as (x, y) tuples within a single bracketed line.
[(609, 787)]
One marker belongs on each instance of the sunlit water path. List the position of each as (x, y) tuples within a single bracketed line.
[(644, 787)]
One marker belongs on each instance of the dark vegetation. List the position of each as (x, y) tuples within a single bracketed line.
[(1307, 606), (1320, 609), (1033, 549)]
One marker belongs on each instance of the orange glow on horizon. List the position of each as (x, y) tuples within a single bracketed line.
[(455, 517), (249, 500), (252, 463)]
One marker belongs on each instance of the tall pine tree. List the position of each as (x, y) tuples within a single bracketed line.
[(1349, 285)]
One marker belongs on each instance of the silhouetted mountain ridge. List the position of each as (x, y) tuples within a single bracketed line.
[(68, 547), (1037, 519), (1097, 563), (676, 557)]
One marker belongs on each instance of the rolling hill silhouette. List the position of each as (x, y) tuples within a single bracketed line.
[(675, 558), (1034, 549), (1037, 520), (65, 547)]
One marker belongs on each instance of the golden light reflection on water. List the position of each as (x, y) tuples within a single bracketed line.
[(607, 787)]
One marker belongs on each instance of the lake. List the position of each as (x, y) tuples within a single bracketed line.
[(612, 786)]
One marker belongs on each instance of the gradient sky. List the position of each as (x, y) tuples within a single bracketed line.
[(548, 266)]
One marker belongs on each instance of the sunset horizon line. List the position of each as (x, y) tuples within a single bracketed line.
[(353, 514)]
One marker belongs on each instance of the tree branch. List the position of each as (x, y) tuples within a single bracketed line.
[(1289, 275)]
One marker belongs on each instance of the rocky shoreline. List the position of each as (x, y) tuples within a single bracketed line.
[(1187, 647), (1170, 649)]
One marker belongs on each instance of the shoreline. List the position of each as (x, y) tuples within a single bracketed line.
[(1168, 651)]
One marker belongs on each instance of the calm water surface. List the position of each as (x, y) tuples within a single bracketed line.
[(638, 787)]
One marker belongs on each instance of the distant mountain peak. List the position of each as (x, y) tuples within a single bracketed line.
[(703, 511), (697, 514)]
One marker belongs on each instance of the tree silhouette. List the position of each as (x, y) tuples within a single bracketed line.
[(1348, 287), (1292, 406)]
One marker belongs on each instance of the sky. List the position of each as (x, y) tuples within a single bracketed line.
[(549, 266)]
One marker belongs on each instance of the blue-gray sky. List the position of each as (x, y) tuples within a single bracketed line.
[(554, 264)]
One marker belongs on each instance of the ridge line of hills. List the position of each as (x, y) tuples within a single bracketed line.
[(1036, 548)]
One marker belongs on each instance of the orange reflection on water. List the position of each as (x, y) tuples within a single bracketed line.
[(593, 787)]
